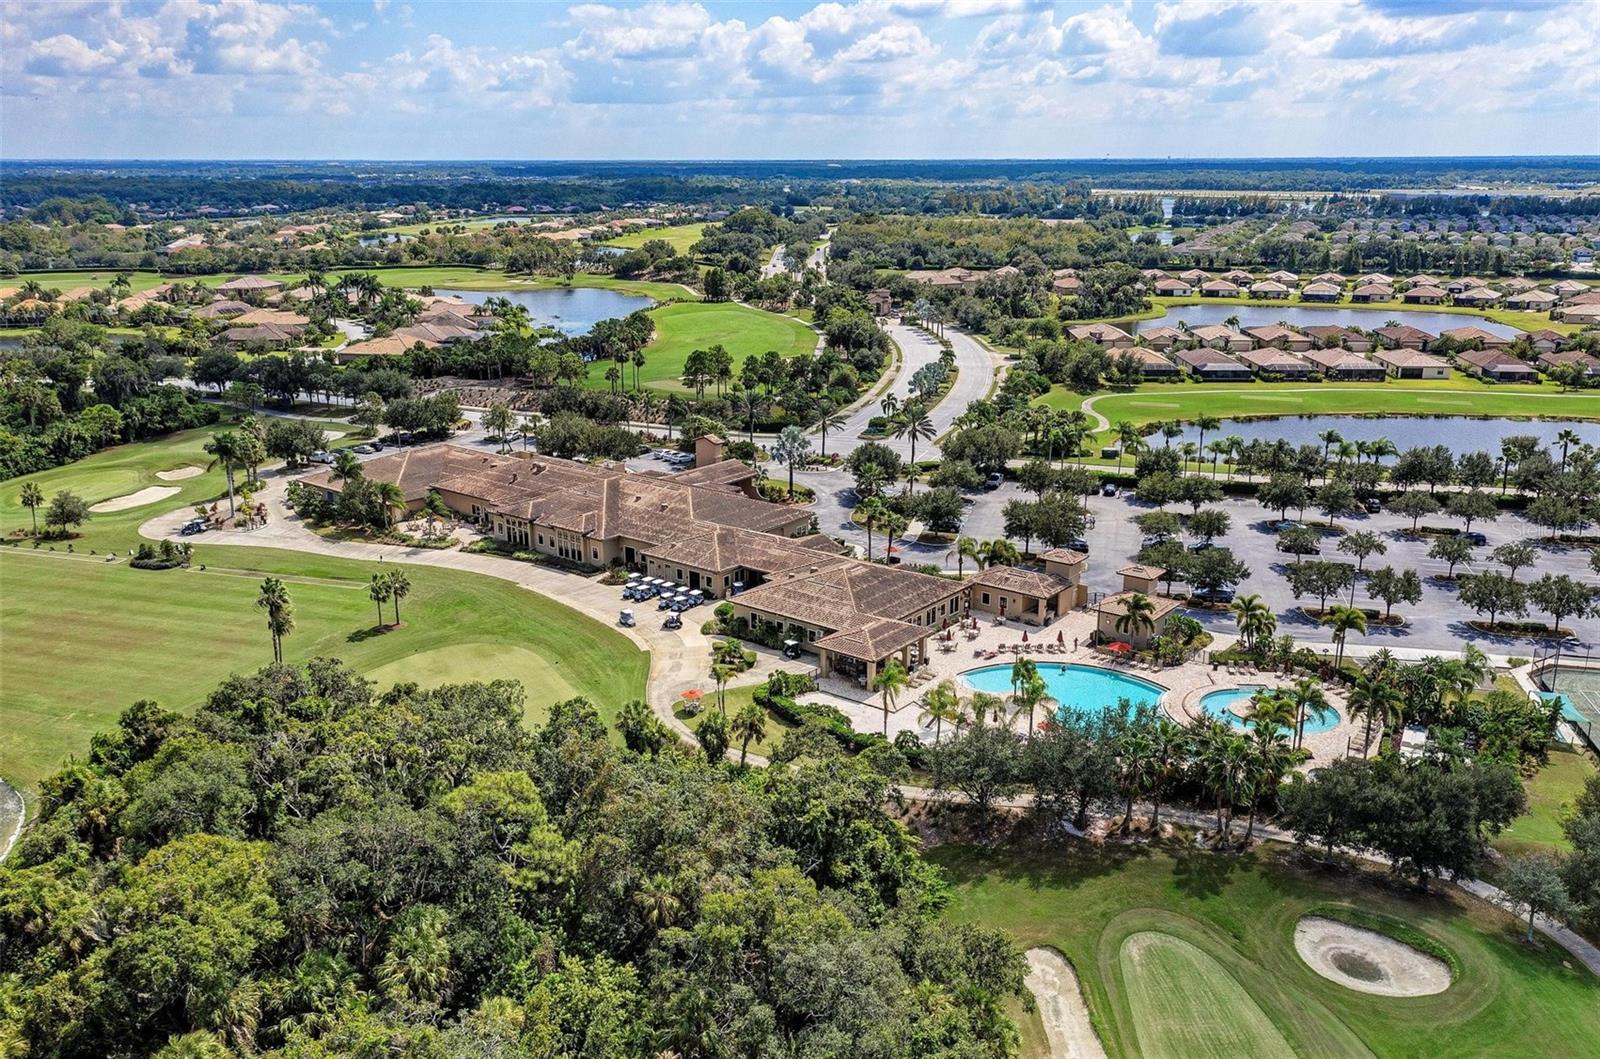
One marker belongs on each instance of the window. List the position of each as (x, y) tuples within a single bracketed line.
[(985, 598), (594, 553)]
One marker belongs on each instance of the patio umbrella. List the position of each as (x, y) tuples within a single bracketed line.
[(693, 695), (1059, 638), (1024, 637), (1119, 647)]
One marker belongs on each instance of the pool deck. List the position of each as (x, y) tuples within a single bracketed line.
[(1184, 684)]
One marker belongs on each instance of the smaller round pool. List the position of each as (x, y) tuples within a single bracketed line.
[(1081, 689), (1233, 706)]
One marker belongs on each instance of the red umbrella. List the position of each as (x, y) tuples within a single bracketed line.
[(693, 695), (1060, 638), (1024, 637), (1120, 647)]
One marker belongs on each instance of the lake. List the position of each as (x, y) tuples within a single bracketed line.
[(1255, 315), (572, 310), (1459, 433)]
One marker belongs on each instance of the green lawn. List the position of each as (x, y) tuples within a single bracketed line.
[(80, 638), (1213, 971), (736, 699), (681, 236), (683, 328), (1153, 402), (1550, 793)]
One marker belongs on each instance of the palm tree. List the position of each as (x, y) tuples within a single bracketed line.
[(1137, 615), (1205, 423), (224, 449), (940, 703), (1253, 617), (1329, 439), (830, 419), (1377, 700), (379, 593), (1218, 449), (890, 405), (750, 723), (1028, 689), (399, 588), (1344, 619), (1308, 701), (659, 904), (914, 424), (790, 449), (1138, 756), (1271, 761), (274, 599), (346, 465), (391, 499), (999, 552), (498, 420), (1171, 741), (32, 496), (753, 404), (870, 512), (966, 548), (889, 682), (721, 674), (1566, 439), (1223, 755)]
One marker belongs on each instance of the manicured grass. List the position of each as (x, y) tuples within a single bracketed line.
[(736, 699), (1154, 402), (681, 236), (683, 328), (1551, 793), (1187, 1006), (1240, 913)]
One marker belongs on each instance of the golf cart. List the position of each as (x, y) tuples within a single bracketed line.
[(625, 619), (674, 621), (791, 649)]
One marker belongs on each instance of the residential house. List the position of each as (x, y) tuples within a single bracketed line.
[(1495, 365), (1405, 336), (1372, 292), (1329, 277), (1219, 288), (1590, 365), (1374, 279), (1163, 338), (1476, 337), (880, 301), (1326, 335), (1066, 285), (1587, 315), (1532, 301), (964, 278), (1102, 335), (1462, 283), (1478, 296), (1342, 365), (1269, 289), (222, 309), (1194, 276), (260, 285), (1547, 341), (1152, 364), (1238, 276), (1284, 276), (1403, 363), (1218, 336), (1421, 281), (1565, 289), (1423, 294), (1280, 336), (1321, 291), (1269, 360), (1032, 595), (1168, 287), (1207, 365), (1517, 285), (391, 345)]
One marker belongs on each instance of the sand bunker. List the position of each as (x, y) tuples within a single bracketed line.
[(148, 495), (1367, 961), (178, 474), (1061, 1007)]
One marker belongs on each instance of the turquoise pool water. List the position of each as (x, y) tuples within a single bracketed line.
[(1082, 689), (1220, 704)]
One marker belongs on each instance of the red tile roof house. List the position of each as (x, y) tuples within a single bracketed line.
[(1517, 285), (1461, 283), (1329, 277), (1547, 341), (1321, 292), (1328, 335), (1163, 337), (1102, 335), (1219, 337), (1423, 295), (1194, 275), (1375, 279), (1219, 288), (1207, 365), (1478, 296), (1168, 287), (1405, 363), (1372, 292), (1239, 276), (1268, 288), (1476, 337), (1590, 365), (1153, 364), (1532, 300), (1495, 365), (1588, 297), (1406, 336), (1420, 280), (1281, 337), (1577, 314), (1343, 365), (1275, 362), (1284, 276), (1566, 288)]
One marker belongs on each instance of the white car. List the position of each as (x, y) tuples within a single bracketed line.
[(322, 456)]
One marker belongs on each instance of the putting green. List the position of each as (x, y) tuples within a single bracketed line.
[(459, 663), (1187, 1006)]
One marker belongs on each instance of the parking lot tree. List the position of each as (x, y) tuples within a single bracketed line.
[(1021, 519), (1554, 513), (1198, 492), (1429, 465), (1514, 555), (369, 413), (1362, 545), (1059, 519), (1364, 478), (1494, 594), (1282, 492), (1160, 489), (1453, 550), (1037, 477), (1472, 506), (1392, 586), (941, 509), (1209, 524), (1159, 524), (1300, 542), (955, 474), (873, 465), (293, 440), (1321, 578), (1337, 497), (1475, 470), (1215, 569), (1414, 506), (1169, 555), (1594, 560), (1561, 596), (987, 447)]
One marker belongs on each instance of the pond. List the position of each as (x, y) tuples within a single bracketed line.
[(383, 240), (1081, 689), (1458, 433), (1253, 315), (572, 310)]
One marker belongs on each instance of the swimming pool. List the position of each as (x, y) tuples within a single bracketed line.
[(1222, 703), (1081, 689)]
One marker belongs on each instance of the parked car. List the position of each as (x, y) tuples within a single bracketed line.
[(1150, 540), (1079, 544), (994, 481), (1474, 537), (1213, 595), (1200, 546), (1285, 524), (1372, 504), (365, 450), (322, 456), (1109, 489)]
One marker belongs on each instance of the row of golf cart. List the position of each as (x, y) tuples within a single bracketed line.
[(668, 596)]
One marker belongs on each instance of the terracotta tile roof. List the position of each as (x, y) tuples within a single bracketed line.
[(387, 346), (1064, 555), (256, 283), (1408, 358), (1337, 359), (1154, 573), (835, 593), (874, 639), (1029, 582), (1271, 358), (1116, 605), (726, 548), (1321, 287), (1102, 333)]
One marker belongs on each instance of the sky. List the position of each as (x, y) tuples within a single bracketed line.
[(383, 79)]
